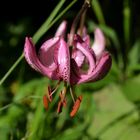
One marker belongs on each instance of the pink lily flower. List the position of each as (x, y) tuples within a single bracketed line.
[(50, 61), (57, 62)]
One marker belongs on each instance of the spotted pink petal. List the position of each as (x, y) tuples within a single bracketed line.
[(100, 71), (61, 30), (35, 62), (99, 43), (62, 57)]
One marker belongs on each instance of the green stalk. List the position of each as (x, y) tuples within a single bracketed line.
[(62, 13), (126, 28), (11, 69)]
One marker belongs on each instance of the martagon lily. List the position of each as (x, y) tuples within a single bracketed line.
[(59, 61), (73, 61)]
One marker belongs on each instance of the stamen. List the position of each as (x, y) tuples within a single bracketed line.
[(62, 101), (45, 102), (59, 107), (76, 106), (56, 87), (62, 98), (63, 93), (72, 94), (49, 94)]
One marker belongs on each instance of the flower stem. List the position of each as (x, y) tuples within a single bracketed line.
[(75, 22), (82, 23)]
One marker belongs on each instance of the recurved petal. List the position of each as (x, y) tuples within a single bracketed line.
[(33, 60), (61, 30), (102, 68), (89, 55), (78, 56), (99, 43), (90, 60), (46, 52), (62, 57), (30, 54)]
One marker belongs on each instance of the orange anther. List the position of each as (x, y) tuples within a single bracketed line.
[(45, 102), (76, 106)]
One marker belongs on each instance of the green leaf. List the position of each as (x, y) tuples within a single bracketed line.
[(114, 115), (29, 89), (131, 89), (98, 11)]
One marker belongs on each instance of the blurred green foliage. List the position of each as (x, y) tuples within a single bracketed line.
[(110, 109)]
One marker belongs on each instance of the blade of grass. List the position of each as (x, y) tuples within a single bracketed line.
[(98, 11), (62, 13), (11, 69), (36, 37)]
